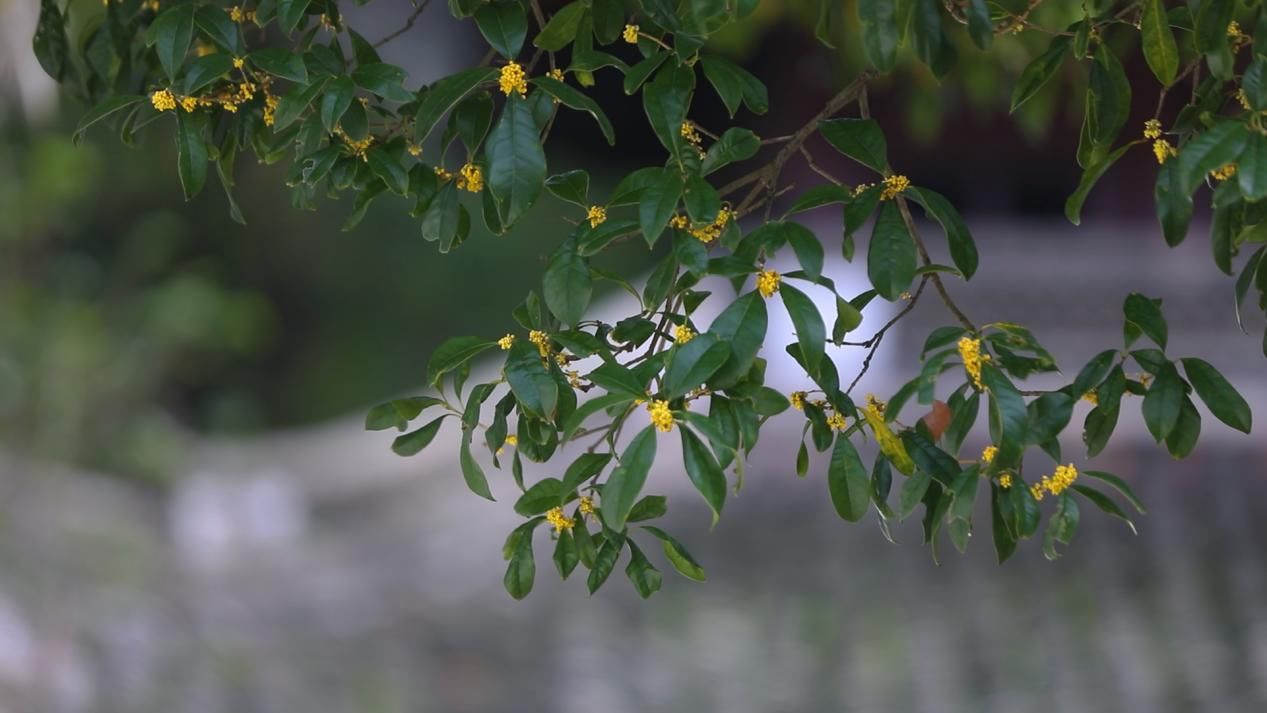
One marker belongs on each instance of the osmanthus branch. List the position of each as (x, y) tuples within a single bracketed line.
[(873, 344), (409, 23), (904, 208)]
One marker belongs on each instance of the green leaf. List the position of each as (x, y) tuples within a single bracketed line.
[(191, 153), (638, 73), (848, 318), (566, 555), (388, 168), (504, 25), (1211, 27), (50, 45), (1061, 526), (808, 249), (573, 187), (444, 95), (702, 469), (659, 201), (205, 70), (665, 100), (104, 110), (1163, 402), (171, 35), (848, 482), (574, 99), (701, 200), (912, 492), (1221, 144), (735, 85), (677, 555), (931, 44), (290, 12), (543, 495), (516, 161), (280, 62), (693, 363), (397, 414), (1073, 205), (452, 354), (1119, 485), (625, 483), (1218, 394), (1160, 50), (1251, 168), (811, 333), (472, 473), (294, 103), (529, 379), (649, 507), (567, 284), (1183, 437), (1145, 314), (561, 29), (645, 577), (413, 442), (1040, 71), (891, 257), (980, 28), (879, 29), (1103, 502), (577, 418), (963, 251), (1110, 96), (860, 139), (382, 79), (743, 326), (215, 24), (522, 569), (1174, 204), (1008, 409), (605, 562)]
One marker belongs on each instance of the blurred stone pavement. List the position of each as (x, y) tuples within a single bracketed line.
[(316, 571)]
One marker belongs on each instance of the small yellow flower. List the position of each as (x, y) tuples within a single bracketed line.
[(683, 334), (1163, 150), (151, 5), (630, 34), (189, 104), (679, 222), (1092, 398), (1057, 482), (661, 416), (586, 505), (236, 14), (560, 521), (471, 178), (443, 175), (1152, 129), (893, 186), (970, 352), (574, 378), (798, 400), (542, 340), (513, 79), (987, 455), (561, 359), (414, 150), (596, 215), (1036, 490), (556, 74), (861, 188), (506, 342), (1005, 481), (768, 283), (270, 109), (905, 297), (1224, 172), (163, 100), (239, 62), (1242, 98), (511, 441), (690, 133), (836, 422)]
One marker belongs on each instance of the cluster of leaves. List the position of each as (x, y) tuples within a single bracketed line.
[(351, 123)]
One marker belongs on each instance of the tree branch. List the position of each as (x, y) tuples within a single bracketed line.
[(409, 23)]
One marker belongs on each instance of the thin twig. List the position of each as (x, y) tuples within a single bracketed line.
[(409, 23), (874, 342)]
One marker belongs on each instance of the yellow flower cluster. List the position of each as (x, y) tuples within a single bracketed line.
[(861, 188), (706, 233), (189, 104), (513, 79), (471, 178), (1163, 150), (586, 505), (987, 455), (542, 340), (596, 215), (1224, 172), (630, 34), (893, 186), (1237, 37), (443, 175), (690, 132), (574, 378), (506, 342), (798, 400), (768, 283), (1005, 481), (414, 150), (163, 100), (1152, 129), (836, 422), (560, 521), (970, 352), (683, 334), (512, 440), (556, 74), (270, 108), (1056, 483), (1092, 398), (358, 147), (237, 14), (661, 416)]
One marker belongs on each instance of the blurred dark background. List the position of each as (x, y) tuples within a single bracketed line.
[(191, 518)]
